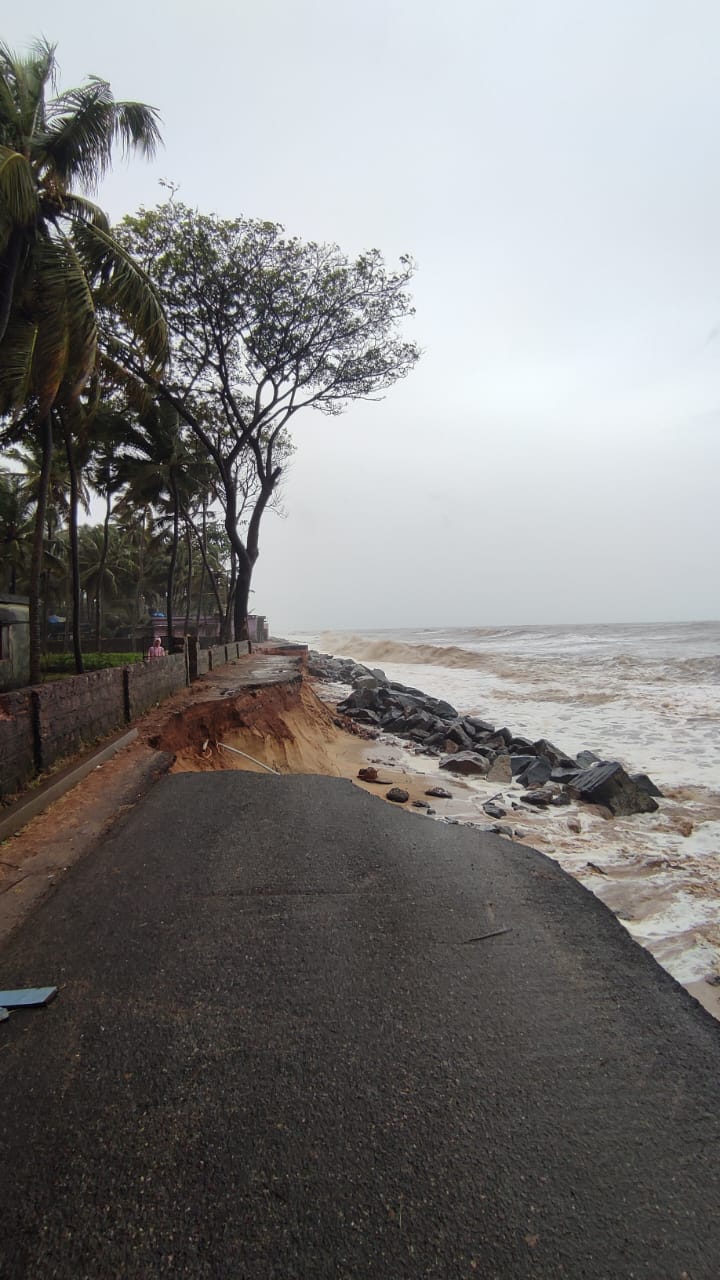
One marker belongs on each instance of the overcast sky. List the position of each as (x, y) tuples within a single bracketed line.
[(553, 166)]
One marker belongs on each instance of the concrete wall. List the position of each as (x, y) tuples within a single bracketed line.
[(14, 642), (220, 654), (217, 655)]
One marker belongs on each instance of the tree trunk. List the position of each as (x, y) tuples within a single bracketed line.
[(247, 563), (171, 566), (141, 575), (242, 596), (240, 562), (201, 595), (228, 611), (74, 547), (202, 540), (202, 544), (36, 561), (101, 572), (188, 544)]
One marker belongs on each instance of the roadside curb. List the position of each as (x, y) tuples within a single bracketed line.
[(28, 807)]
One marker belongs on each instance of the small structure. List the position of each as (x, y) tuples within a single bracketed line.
[(257, 627), (14, 642)]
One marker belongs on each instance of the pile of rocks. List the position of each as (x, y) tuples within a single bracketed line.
[(473, 747)]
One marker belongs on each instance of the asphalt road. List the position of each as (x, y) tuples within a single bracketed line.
[(277, 1052)]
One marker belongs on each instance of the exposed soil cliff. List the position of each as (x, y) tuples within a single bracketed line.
[(284, 726)]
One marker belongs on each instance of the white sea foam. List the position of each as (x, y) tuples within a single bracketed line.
[(644, 695)]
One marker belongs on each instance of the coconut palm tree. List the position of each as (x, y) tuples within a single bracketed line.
[(110, 428), (66, 490), (107, 566), (59, 261), (163, 468)]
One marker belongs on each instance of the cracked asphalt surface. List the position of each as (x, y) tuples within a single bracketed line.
[(277, 1052)]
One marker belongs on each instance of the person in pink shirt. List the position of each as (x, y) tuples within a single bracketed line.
[(156, 649)]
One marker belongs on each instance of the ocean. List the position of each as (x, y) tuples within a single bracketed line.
[(647, 695)]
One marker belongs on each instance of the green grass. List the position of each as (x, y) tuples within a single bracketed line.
[(55, 665)]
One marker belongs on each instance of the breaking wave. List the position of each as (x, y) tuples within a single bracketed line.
[(644, 694), (583, 698), (363, 649)]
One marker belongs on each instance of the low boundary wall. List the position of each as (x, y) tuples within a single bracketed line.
[(17, 740), (151, 682), (70, 713), (46, 723)]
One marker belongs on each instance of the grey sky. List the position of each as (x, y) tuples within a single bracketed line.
[(553, 167)]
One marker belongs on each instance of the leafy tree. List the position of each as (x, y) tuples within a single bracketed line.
[(263, 326), (15, 529), (58, 257)]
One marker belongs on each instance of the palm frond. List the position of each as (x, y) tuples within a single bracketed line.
[(24, 79), (82, 325), (85, 124), (9, 115), (137, 128), (16, 360), (123, 286), (40, 72), (85, 210), (66, 345), (117, 376), (51, 341), (52, 346), (18, 189)]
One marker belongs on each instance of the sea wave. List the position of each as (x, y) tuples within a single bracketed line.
[(654, 706), (583, 698), (363, 649), (526, 666)]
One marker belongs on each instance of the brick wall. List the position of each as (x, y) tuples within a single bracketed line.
[(72, 714), (17, 741), (151, 682), (53, 721)]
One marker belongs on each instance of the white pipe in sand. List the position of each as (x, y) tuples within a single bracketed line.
[(245, 756)]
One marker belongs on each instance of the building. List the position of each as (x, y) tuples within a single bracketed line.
[(14, 642), (257, 627)]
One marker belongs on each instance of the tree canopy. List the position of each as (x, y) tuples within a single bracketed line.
[(164, 361), (58, 258), (262, 326), (57, 253)]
